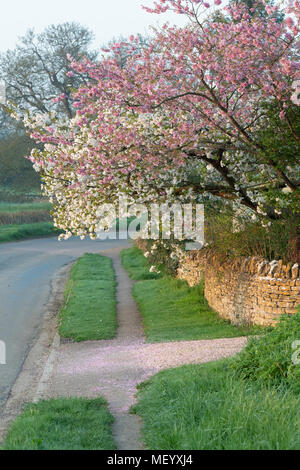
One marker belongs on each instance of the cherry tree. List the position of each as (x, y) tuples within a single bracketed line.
[(208, 110)]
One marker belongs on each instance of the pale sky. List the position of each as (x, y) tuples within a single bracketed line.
[(106, 18)]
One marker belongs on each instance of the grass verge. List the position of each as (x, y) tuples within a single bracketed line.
[(9, 233), (136, 264), (208, 407), (89, 312), (249, 402), (171, 310), (62, 424)]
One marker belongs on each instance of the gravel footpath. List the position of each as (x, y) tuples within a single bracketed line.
[(113, 368)]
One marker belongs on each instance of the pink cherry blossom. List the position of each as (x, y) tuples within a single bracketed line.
[(183, 115)]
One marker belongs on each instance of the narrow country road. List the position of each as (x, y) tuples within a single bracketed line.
[(26, 270)]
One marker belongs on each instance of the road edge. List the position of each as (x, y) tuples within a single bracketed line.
[(39, 361)]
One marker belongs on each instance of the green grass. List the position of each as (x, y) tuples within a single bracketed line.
[(8, 207), (248, 402), (9, 233), (63, 424), (207, 407), (24, 213), (171, 310), (268, 359), (136, 265), (89, 312)]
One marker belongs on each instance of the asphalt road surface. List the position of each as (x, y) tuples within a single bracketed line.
[(26, 270)]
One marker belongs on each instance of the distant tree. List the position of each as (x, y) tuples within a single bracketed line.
[(37, 71), (121, 49), (15, 170)]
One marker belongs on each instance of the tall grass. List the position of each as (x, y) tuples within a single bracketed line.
[(205, 407), (240, 236), (26, 213), (268, 359), (26, 217)]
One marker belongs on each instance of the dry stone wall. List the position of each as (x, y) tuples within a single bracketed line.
[(244, 290)]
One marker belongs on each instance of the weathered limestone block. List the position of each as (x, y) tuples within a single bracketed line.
[(245, 290)]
